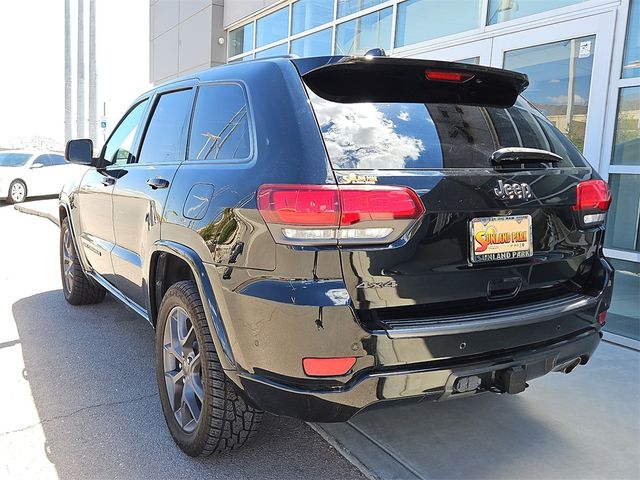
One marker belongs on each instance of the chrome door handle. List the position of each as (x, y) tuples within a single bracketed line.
[(156, 183)]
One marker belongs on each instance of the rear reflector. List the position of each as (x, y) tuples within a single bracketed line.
[(444, 76), (324, 214), (327, 367), (592, 195), (602, 317)]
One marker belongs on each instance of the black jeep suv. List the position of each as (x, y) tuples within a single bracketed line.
[(310, 236)]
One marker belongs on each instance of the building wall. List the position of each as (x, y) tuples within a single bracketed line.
[(184, 37), (236, 10)]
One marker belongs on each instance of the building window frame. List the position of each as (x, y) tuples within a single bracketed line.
[(617, 83)]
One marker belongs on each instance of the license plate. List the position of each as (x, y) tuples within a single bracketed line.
[(501, 238)]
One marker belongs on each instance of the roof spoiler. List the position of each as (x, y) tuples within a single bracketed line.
[(391, 80)]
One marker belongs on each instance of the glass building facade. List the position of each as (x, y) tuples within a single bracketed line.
[(582, 58)]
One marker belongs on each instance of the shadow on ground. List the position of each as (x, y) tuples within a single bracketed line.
[(91, 373)]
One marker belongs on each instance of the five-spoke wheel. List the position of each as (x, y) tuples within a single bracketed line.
[(183, 369)]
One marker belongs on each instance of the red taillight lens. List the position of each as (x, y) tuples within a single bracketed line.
[(592, 195), (446, 76), (602, 317), (327, 367), (324, 214), (299, 204), (378, 204)]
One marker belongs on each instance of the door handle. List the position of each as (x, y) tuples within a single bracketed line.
[(156, 183), (108, 181)]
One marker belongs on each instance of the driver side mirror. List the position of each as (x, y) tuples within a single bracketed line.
[(37, 165), (79, 151)]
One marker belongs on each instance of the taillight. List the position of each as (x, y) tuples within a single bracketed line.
[(447, 76), (602, 318), (592, 201), (326, 214)]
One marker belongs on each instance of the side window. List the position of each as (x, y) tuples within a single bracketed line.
[(220, 129), (161, 142), (118, 149), (43, 159), (57, 159)]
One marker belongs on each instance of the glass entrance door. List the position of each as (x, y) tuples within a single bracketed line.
[(567, 65), (478, 53)]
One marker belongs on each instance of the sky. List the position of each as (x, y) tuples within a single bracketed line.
[(32, 63)]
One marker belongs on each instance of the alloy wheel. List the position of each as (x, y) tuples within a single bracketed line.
[(67, 259), (17, 192), (183, 369)]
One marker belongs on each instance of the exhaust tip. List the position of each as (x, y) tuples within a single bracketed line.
[(571, 365)]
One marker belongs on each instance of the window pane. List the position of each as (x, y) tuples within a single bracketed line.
[(421, 20), (316, 44), (241, 59), (14, 159), (375, 135), (623, 219), (624, 315), (347, 7), (470, 60), (626, 150), (272, 27), (43, 160), (631, 63), (559, 81), (220, 129), (241, 40), (308, 14), (281, 49), (361, 34), (503, 10), (161, 142), (57, 160), (118, 148)]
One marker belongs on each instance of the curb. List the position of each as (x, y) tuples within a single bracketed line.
[(38, 213)]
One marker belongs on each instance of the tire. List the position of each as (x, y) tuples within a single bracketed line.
[(77, 288), (17, 192), (186, 355)]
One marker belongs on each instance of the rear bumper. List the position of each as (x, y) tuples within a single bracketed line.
[(435, 381), (273, 329)]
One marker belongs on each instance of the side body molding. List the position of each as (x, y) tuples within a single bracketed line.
[(206, 294)]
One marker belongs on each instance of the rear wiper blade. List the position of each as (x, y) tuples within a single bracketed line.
[(522, 155)]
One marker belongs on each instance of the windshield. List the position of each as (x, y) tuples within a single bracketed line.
[(14, 159), (373, 135)]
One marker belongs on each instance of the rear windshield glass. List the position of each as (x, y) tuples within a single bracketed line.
[(432, 136)]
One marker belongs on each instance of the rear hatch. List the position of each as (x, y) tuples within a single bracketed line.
[(502, 223)]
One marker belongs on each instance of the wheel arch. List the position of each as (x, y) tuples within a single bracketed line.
[(167, 254)]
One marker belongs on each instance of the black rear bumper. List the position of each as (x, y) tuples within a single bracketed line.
[(436, 381)]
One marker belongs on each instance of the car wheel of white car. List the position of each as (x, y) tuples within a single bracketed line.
[(17, 192)]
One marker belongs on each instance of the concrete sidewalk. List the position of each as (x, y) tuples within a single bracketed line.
[(582, 425)]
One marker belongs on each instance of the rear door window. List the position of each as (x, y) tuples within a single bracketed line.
[(162, 139), (220, 129), (432, 136)]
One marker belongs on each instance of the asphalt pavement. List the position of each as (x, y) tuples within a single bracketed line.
[(78, 397)]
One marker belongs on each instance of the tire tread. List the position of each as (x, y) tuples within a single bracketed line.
[(231, 422)]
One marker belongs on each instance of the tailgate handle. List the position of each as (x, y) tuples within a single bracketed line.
[(503, 288)]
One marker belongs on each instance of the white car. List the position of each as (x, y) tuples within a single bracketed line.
[(33, 173)]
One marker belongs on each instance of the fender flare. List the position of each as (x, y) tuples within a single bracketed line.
[(203, 283), (79, 252)]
